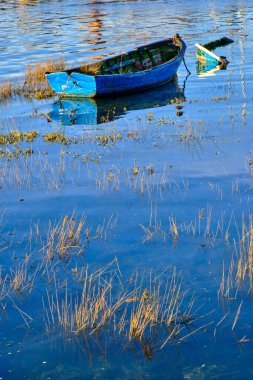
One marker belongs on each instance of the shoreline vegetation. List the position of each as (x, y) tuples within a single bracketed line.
[(35, 84)]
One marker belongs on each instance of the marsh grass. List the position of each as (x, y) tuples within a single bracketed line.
[(239, 272), (6, 91), (4, 288), (69, 236), (36, 172), (63, 238), (35, 84), (21, 280), (36, 73), (147, 311), (35, 80)]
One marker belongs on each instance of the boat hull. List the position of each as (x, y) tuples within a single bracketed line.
[(76, 84)]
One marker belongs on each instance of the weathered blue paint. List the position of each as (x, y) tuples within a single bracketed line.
[(75, 84)]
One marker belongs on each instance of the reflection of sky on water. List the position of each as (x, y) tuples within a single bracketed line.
[(36, 30)]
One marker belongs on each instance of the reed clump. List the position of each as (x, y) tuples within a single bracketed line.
[(35, 85), (239, 273), (6, 90), (18, 280), (58, 137), (36, 73), (4, 287), (141, 313), (17, 136), (106, 139), (64, 238)]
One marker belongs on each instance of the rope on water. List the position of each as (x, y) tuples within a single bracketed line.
[(186, 67)]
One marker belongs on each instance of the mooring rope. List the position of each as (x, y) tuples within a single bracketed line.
[(178, 41), (186, 67)]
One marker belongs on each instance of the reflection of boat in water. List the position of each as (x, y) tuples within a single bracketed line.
[(90, 111), (209, 68)]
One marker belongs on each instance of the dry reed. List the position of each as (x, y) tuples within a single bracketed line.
[(106, 304), (63, 238), (6, 91), (36, 73)]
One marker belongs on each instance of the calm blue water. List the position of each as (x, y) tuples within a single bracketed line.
[(193, 162)]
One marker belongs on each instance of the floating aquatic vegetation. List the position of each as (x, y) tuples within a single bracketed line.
[(105, 139), (15, 153), (58, 137), (17, 136)]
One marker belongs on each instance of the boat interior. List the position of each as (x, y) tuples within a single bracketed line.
[(140, 59)]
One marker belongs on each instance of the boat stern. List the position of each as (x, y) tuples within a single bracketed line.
[(72, 84)]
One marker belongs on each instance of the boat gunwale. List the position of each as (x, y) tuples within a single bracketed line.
[(180, 52)]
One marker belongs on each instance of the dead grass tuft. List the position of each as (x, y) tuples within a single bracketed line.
[(36, 73), (6, 91), (64, 238), (140, 313)]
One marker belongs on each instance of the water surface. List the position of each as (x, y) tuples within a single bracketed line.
[(186, 161)]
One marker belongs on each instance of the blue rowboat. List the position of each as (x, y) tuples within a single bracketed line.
[(89, 111), (144, 67)]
